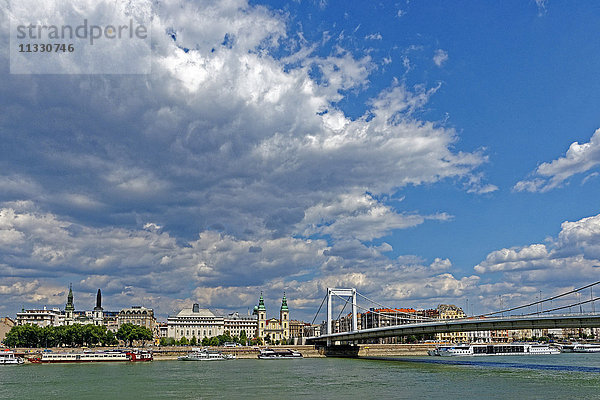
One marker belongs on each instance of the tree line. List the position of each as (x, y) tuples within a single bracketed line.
[(212, 341), (76, 335)]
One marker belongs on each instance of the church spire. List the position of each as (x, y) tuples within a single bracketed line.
[(284, 306), (70, 305), (261, 303), (99, 299)]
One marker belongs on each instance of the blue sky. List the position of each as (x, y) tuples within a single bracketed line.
[(423, 152)]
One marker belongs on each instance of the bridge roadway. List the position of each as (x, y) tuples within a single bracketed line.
[(584, 320)]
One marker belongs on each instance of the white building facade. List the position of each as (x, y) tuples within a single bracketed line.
[(41, 318), (195, 322)]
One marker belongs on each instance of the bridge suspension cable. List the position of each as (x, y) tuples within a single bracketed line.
[(542, 301), (319, 310), (567, 306), (343, 308)]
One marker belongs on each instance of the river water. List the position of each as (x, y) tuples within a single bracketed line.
[(563, 376)]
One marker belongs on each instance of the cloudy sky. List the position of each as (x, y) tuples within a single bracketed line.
[(423, 152)]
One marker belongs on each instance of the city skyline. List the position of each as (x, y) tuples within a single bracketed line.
[(423, 153)]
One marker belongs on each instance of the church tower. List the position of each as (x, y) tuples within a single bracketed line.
[(69, 308), (262, 316), (284, 318), (98, 310)]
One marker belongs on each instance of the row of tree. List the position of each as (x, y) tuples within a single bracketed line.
[(74, 335), (212, 341)]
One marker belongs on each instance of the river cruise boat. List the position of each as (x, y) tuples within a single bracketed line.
[(506, 349), (8, 357), (96, 356), (586, 348), (270, 354), (205, 355)]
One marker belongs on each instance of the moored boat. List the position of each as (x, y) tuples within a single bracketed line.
[(205, 355), (7, 357), (97, 356), (504, 349), (270, 354), (586, 348)]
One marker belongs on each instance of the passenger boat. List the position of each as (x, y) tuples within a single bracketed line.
[(586, 348), (205, 355), (8, 357), (506, 349), (270, 354), (97, 356)]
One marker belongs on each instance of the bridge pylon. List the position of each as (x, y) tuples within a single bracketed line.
[(340, 293)]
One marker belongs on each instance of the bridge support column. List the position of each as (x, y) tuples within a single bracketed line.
[(329, 319), (340, 293)]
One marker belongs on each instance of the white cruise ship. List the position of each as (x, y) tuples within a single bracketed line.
[(205, 355), (586, 348), (90, 356), (505, 349)]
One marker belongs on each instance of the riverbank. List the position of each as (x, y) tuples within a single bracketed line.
[(164, 353)]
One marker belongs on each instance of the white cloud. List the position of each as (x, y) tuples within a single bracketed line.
[(579, 158), (217, 269), (358, 216), (541, 5), (219, 169), (374, 36), (440, 57), (573, 256)]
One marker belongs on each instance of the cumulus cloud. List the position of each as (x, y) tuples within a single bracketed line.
[(573, 256), (217, 269), (230, 166), (358, 216), (579, 159)]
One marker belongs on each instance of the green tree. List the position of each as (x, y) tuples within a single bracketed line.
[(93, 334), (130, 333), (167, 341), (109, 339), (75, 334), (143, 334), (205, 341), (126, 333), (13, 337), (183, 341), (193, 341)]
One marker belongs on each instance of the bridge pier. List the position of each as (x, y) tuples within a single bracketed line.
[(340, 350)]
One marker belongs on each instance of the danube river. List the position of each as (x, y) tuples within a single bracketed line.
[(564, 376)]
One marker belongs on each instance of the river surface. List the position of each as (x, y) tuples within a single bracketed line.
[(563, 376)]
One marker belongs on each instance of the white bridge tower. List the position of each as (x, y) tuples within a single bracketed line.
[(340, 293)]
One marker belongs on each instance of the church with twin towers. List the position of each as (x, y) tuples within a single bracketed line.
[(97, 314)]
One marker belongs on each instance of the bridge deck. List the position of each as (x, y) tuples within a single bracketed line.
[(587, 320)]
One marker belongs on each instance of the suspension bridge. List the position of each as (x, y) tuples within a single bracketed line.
[(550, 313)]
